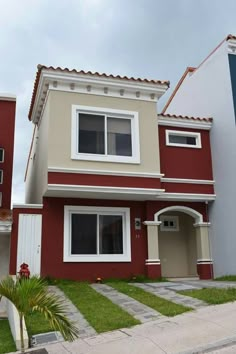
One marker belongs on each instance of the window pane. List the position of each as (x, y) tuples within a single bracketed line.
[(91, 133), (119, 137), (181, 139), (1, 154), (83, 234), (110, 234)]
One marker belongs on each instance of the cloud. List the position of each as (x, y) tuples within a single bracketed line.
[(144, 38)]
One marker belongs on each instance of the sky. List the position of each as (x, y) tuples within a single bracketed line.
[(154, 39)]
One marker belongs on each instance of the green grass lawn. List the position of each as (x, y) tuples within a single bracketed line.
[(6, 341), (226, 278), (99, 311), (36, 324), (161, 305), (212, 296), (136, 279)]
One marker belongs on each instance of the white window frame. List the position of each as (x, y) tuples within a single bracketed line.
[(72, 209), (121, 114), (169, 218), (1, 176), (3, 155), (187, 134)]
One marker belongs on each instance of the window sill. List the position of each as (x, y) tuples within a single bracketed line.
[(101, 158), (97, 259)]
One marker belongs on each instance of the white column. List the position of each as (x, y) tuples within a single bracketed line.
[(152, 242)]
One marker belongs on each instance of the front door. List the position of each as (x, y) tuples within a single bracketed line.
[(29, 242)]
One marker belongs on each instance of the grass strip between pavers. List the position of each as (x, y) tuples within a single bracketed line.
[(165, 307), (213, 296), (6, 341), (226, 278), (36, 323), (99, 311)]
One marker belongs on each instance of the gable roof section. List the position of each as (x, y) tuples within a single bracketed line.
[(192, 69), (86, 73)]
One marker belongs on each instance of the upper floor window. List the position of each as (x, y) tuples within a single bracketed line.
[(1, 155), (101, 134), (183, 139), (1, 176)]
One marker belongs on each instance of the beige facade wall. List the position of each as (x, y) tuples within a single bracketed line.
[(36, 179), (59, 147), (177, 249)]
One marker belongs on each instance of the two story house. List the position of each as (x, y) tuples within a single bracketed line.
[(210, 89), (7, 123), (112, 188)]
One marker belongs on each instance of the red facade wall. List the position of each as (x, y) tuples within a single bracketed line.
[(52, 243), (188, 188), (181, 162), (7, 127), (103, 180)]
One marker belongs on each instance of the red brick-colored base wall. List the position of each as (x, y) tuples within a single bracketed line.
[(153, 271), (205, 271)]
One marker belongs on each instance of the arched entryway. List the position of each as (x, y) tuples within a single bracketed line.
[(178, 244)]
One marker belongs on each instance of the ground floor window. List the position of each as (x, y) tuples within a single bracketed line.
[(96, 234)]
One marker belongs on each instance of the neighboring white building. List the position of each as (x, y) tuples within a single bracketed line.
[(210, 90)]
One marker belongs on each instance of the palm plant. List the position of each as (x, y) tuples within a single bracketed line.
[(30, 295)]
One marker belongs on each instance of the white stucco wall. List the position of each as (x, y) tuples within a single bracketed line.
[(208, 92)]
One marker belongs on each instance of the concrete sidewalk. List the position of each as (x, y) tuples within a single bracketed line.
[(207, 330)]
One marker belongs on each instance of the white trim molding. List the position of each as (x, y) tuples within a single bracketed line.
[(195, 214), (91, 85), (205, 261), (5, 226), (184, 123), (188, 134), (152, 223), (202, 224), (152, 262), (107, 113), (27, 206), (104, 189), (7, 97), (105, 172), (187, 181), (126, 234), (187, 197)]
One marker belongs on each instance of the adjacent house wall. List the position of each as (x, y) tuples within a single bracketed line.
[(207, 92), (59, 145), (7, 127)]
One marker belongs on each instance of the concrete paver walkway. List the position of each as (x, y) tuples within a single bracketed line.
[(166, 293), (209, 329), (85, 330), (140, 311)]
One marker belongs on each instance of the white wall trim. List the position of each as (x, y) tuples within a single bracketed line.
[(125, 212), (105, 172), (202, 224), (152, 262), (7, 97), (187, 123), (5, 226), (27, 206), (152, 223), (187, 197), (187, 181), (195, 214), (204, 261), (102, 189)]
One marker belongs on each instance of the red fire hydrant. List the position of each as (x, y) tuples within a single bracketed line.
[(24, 271)]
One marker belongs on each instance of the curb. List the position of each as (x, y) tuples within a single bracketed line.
[(208, 348)]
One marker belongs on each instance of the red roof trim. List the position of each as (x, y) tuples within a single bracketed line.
[(202, 119), (189, 69), (41, 67)]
